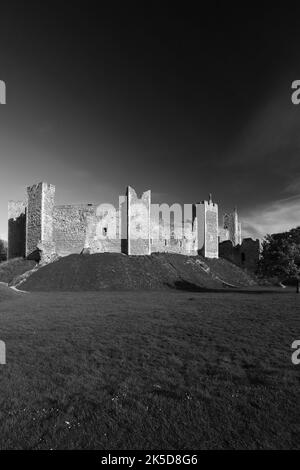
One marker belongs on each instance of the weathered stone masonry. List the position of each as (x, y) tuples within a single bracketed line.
[(207, 215), (245, 255), (39, 226), (16, 229), (39, 217)]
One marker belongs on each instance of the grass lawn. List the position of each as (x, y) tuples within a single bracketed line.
[(149, 370)]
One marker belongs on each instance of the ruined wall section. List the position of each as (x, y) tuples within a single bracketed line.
[(16, 229), (170, 245), (234, 227), (250, 253), (37, 225), (223, 234), (245, 255), (172, 239), (69, 227), (103, 230), (139, 226)]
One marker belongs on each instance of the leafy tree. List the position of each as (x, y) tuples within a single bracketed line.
[(3, 251), (280, 257)]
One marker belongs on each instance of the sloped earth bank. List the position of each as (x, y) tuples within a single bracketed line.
[(114, 271), (13, 268)]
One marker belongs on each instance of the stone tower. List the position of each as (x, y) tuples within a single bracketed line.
[(207, 218), (234, 227), (39, 221), (138, 222)]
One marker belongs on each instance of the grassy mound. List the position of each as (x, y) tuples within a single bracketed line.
[(13, 268), (229, 272), (114, 271)]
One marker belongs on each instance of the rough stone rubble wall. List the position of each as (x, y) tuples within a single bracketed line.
[(67, 229), (16, 229), (223, 234), (234, 228), (102, 230), (172, 237), (245, 255)]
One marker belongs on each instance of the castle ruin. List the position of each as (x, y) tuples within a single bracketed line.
[(39, 228)]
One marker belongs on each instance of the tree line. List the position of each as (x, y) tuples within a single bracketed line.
[(280, 256), (3, 250)]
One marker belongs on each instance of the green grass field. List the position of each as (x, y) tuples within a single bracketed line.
[(149, 370)]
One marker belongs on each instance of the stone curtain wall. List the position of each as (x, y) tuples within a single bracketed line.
[(223, 234), (250, 253), (183, 247), (245, 255), (16, 229), (66, 229), (182, 239), (102, 230), (69, 227), (234, 227)]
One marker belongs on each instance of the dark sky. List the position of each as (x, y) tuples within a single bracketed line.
[(180, 101)]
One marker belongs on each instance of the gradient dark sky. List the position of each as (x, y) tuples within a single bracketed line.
[(180, 101)]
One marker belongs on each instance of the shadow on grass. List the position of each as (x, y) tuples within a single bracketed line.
[(191, 287)]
